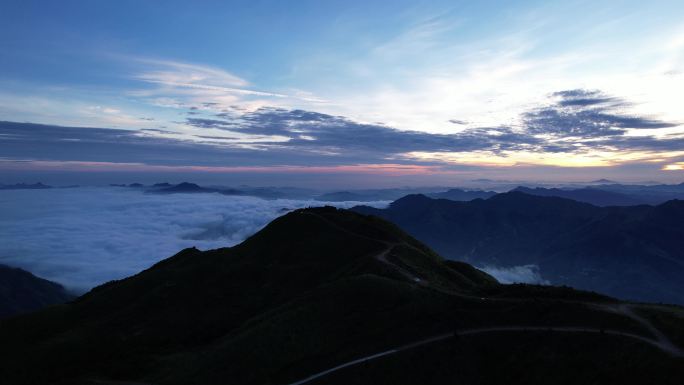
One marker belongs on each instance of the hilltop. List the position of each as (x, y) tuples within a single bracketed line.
[(312, 290), (630, 252)]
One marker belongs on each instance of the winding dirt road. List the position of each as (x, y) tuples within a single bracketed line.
[(659, 341), (664, 344)]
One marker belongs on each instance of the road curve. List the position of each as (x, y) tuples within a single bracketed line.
[(665, 346)]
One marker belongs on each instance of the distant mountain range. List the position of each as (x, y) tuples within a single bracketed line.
[(24, 186), (23, 292), (189, 188), (192, 188), (319, 289), (396, 193), (634, 252), (613, 194), (599, 193), (590, 195), (462, 195)]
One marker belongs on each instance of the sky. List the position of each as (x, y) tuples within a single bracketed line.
[(354, 93)]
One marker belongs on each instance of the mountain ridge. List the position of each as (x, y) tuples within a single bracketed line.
[(22, 292), (313, 289), (630, 252)]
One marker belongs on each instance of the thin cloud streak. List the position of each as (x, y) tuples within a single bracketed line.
[(370, 169), (204, 87)]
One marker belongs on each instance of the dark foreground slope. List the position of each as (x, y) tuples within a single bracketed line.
[(314, 289), (21, 292), (629, 252)]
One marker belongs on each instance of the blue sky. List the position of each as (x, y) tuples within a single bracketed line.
[(440, 90)]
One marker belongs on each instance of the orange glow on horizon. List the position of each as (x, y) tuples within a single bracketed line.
[(374, 169)]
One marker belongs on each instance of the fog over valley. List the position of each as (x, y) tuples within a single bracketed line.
[(341, 192), (83, 237)]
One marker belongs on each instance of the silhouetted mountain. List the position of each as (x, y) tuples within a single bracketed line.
[(188, 188), (462, 195), (320, 287), (651, 194), (262, 192), (184, 187), (590, 195), (370, 195), (632, 252), (21, 292), (602, 181), (24, 186)]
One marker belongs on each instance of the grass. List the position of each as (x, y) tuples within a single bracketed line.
[(304, 294)]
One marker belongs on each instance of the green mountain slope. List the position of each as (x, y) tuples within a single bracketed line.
[(21, 292), (629, 252), (314, 289)]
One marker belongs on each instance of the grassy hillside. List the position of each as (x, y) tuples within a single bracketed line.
[(315, 288), (632, 252), (21, 292), (535, 358)]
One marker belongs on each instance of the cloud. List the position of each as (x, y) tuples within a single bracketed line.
[(457, 121), (586, 114), (200, 87), (679, 166), (584, 126), (572, 124), (82, 237), (516, 274), (315, 131), (267, 137), (172, 72), (674, 143), (583, 98), (23, 141)]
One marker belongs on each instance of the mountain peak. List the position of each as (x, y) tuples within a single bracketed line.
[(317, 282), (187, 185)]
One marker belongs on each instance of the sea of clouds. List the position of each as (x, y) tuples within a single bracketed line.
[(516, 274), (82, 237)]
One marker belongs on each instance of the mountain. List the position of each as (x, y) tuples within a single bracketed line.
[(190, 188), (589, 195), (22, 292), (651, 194), (184, 187), (634, 252), (370, 195), (319, 288), (602, 181), (462, 195), (24, 186)]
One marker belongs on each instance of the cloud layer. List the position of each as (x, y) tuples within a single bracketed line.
[(516, 274), (586, 114), (575, 122), (86, 236)]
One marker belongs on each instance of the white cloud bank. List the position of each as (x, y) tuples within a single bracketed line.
[(516, 274), (83, 237)]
